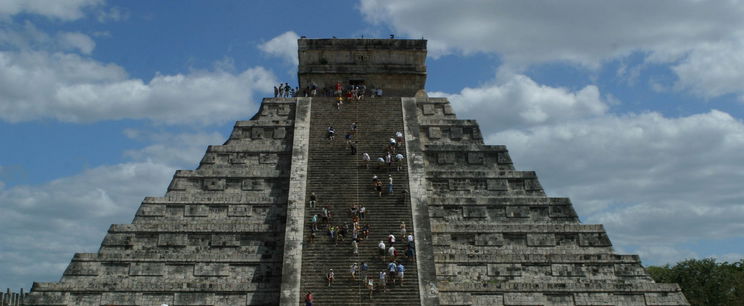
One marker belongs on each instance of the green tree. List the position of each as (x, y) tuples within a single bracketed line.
[(705, 281)]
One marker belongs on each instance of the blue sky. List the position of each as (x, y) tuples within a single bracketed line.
[(633, 109)]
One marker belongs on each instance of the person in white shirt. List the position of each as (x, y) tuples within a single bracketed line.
[(365, 158)]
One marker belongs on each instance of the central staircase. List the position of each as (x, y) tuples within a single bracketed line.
[(341, 180)]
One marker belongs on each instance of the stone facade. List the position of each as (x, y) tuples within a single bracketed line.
[(215, 238), (232, 231), (395, 65), (494, 236)]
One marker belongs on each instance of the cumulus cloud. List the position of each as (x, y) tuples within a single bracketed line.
[(43, 225), (27, 37), (64, 10), (703, 39), (75, 40), (518, 101), (712, 70), (283, 46), (651, 180), (168, 148), (72, 88)]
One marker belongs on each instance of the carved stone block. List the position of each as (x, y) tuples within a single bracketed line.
[(474, 212), (517, 212), (428, 109), (168, 239), (516, 184), (196, 211), (445, 158), (455, 298), (83, 268), (541, 240), (629, 299), (146, 268), (475, 158), (224, 240), (268, 158), (599, 298), (150, 210), (476, 133), (118, 298), (567, 270), (532, 184), (525, 298), (114, 239), (497, 185), (155, 299), (503, 158), (662, 298), (211, 269), (252, 184), (238, 158), (284, 109), (507, 270), (214, 184), (257, 132), (229, 299), (448, 110), (494, 239), (456, 132), (435, 132), (280, 132), (209, 158), (629, 270), (178, 184), (488, 300), (85, 299), (180, 270), (459, 184), (239, 210)]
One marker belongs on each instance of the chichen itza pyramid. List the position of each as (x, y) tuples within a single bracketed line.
[(236, 230)]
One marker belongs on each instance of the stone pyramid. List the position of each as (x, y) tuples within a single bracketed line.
[(236, 230)]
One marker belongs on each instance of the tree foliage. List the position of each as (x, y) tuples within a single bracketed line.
[(705, 281)]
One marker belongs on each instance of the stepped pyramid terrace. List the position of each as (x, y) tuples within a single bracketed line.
[(237, 230)]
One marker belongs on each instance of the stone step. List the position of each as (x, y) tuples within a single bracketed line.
[(331, 170)]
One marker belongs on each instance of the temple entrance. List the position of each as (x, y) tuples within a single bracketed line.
[(357, 82)]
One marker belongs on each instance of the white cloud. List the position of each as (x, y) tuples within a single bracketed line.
[(65, 10), (113, 14), (704, 39), (27, 37), (168, 148), (713, 69), (651, 180), (75, 40), (43, 225), (283, 46), (71, 88), (518, 101)]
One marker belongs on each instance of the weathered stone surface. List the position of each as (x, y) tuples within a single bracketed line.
[(186, 235), (232, 231)]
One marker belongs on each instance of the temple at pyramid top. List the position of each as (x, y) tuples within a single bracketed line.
[(396, 65)]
